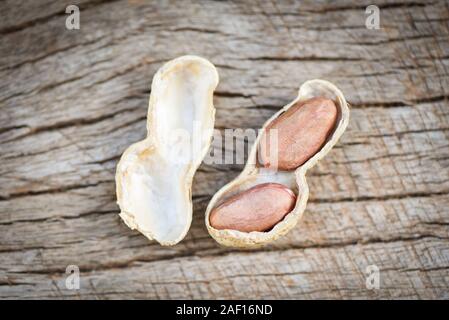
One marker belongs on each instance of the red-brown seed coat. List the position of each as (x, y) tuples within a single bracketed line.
[(301, 131), (257, 209)]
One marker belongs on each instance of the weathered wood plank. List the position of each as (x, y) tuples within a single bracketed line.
[(72, 101), (94, 236), (312, 273)]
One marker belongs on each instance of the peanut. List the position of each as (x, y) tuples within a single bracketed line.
[(256, 209), (301, 132)]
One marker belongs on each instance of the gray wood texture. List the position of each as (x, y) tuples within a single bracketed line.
[(71, 101)]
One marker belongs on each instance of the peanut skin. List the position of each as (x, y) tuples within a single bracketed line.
[(301, 132), (257, 209)]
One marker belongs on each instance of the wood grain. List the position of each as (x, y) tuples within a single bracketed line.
[(72, 100)]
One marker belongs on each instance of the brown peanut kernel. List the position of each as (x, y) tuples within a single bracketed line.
[(301, 131), (257, 209)]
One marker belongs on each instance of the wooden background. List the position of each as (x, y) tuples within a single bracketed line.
[(72, 100)]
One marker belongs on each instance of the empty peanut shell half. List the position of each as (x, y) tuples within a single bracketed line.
[(304, 131), (154, 176)]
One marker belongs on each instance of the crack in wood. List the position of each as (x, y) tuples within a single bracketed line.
[(71, 123), (60, 189), (429, 194)]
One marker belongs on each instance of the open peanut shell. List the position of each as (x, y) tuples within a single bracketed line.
[(154, 176), (253, 175)]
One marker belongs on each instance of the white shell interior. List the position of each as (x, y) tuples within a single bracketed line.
[(154, 176)]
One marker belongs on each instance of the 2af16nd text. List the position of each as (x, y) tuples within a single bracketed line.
[(230, 309)]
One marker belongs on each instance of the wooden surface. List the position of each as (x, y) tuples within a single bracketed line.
[(72, 101)]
